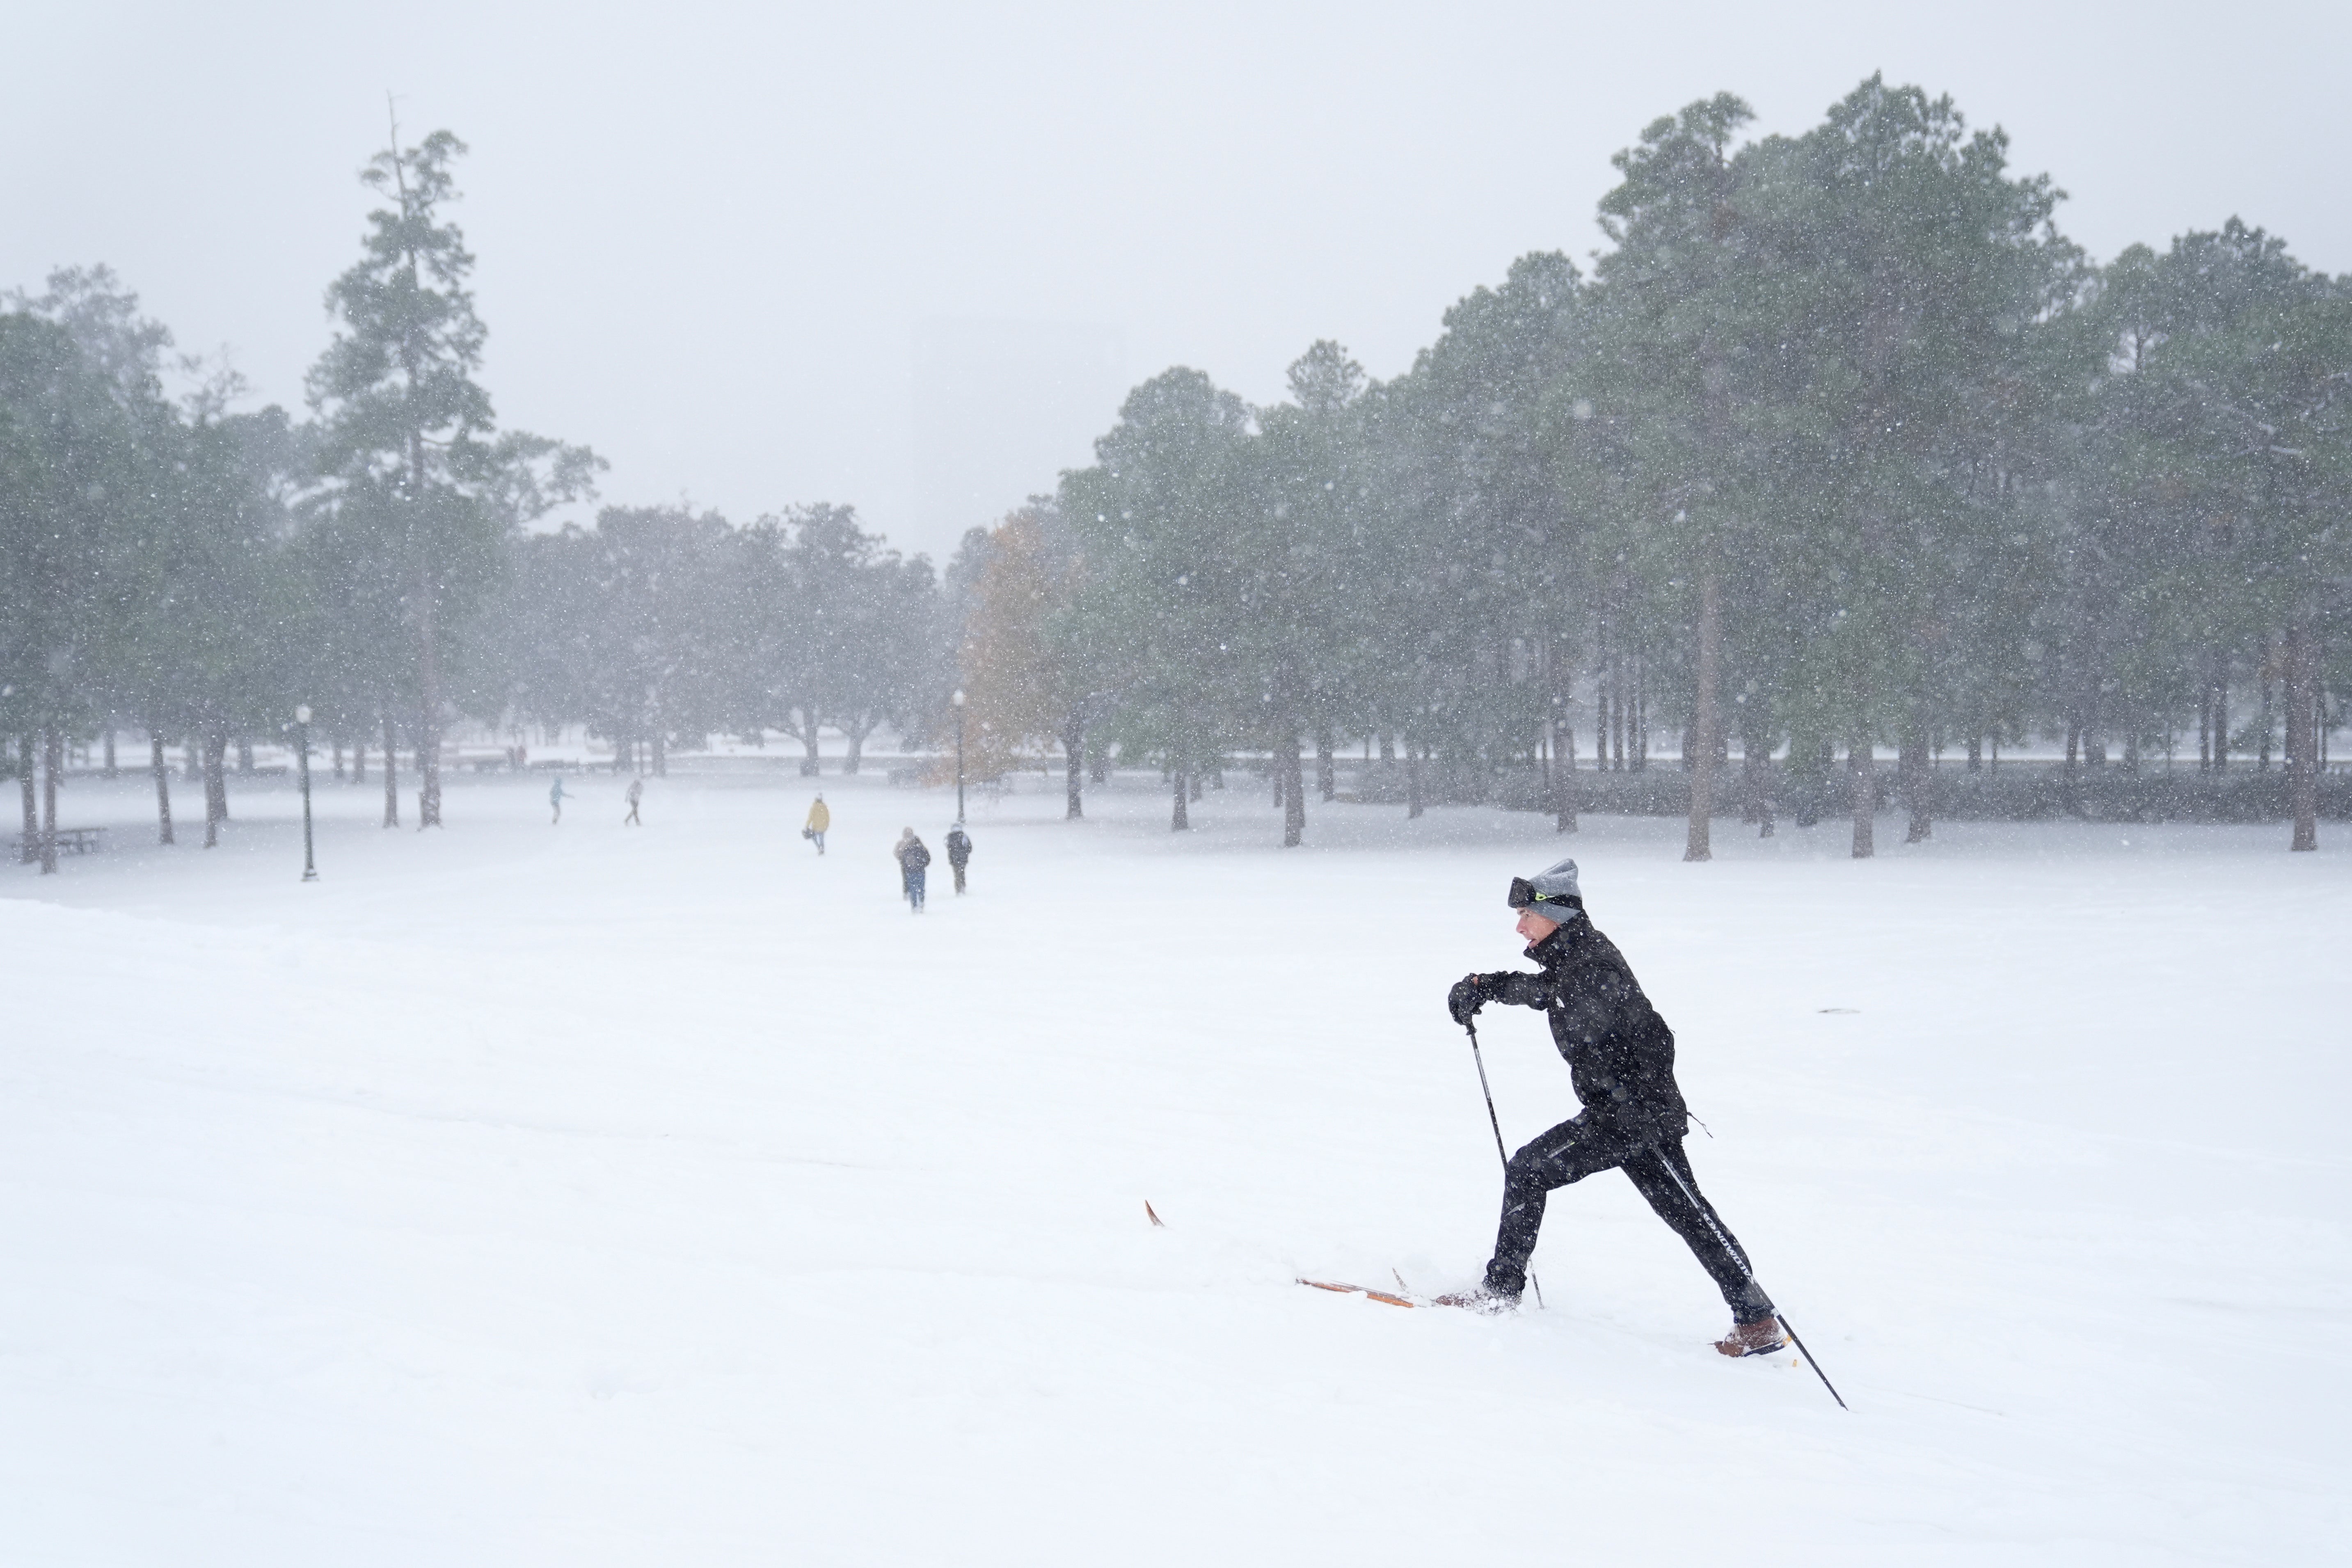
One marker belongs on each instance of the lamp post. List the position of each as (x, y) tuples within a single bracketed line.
[(302, 753), (958, 708)]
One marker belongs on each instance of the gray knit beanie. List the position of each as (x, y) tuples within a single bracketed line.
[(1550, 892)]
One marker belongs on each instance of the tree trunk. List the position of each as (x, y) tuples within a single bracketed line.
[(391, 774), (109, 752), (1863, 779), (215, 749), (2221, 713), (1293, 793), (359, 760), (2263, 734), (1976, 752), (194, 748), (1073, 751), (1696, 844), (809, 759), (1604, 739), (1916, 774), (339, 759), (2302, 734), (28, 843), (2068, 771), (661, 754), (1641, 725), (428, 707), (245, 759), (1098, 761), (1178, 822), (1563, 776), (851, 763), (53, 756), (162, 787), (1412, 802), (1326, 771), (1755, 806), (1388, 746)]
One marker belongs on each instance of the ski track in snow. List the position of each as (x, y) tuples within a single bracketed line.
[(584, 1195)]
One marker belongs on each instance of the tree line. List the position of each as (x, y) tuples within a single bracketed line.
[(174, 567), (1840, 444)]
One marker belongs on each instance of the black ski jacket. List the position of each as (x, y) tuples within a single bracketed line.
[(1621, 1055)]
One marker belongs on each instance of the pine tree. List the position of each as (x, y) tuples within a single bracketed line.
[(420, 481)]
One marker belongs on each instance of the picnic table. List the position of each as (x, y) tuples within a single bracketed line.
[(70, 841)]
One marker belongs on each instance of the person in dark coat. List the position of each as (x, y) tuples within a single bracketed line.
[(1620, 1060), (959, 854), (913, 861)]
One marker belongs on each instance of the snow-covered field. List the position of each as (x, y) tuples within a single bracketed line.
[(583, 1195)]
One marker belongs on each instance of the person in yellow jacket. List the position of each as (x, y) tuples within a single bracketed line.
[(819, 819)]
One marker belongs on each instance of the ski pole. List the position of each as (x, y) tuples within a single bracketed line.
[(1500, 1153), (1706, 1211), (1495, 1122)]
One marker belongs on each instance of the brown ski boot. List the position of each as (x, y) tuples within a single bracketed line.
[(1761, 1337)]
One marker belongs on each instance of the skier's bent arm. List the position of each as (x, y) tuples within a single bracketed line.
[(1472, 992), (1515, 989)]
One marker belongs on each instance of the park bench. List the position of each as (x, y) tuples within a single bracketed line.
[(70, 841)]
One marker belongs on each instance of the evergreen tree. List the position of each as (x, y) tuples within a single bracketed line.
[(420, 482)]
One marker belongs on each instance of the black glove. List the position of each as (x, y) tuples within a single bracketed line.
[(1469, 995)]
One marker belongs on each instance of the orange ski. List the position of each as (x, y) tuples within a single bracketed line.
[(1390, 1297)]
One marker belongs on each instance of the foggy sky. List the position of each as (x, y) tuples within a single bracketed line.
[(718, 242)]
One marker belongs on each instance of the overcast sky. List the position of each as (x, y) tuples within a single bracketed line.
[(723, 244)]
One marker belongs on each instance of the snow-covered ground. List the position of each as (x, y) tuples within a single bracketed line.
[(586, 1196)]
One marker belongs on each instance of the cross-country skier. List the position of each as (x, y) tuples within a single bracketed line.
[(636, 793), (913, 858), (819, 819), (958, 853), (555, 799), (1621, 1059)]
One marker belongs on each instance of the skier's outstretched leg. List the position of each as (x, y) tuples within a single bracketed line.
[(1569, 1152), (1671, 1195)]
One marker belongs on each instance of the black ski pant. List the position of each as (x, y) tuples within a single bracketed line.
[(1586, 1145)]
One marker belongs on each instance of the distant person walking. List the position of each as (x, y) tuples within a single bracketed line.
[(555, 799), (636, 793), (959, 854), (819, 819), (913, 861)]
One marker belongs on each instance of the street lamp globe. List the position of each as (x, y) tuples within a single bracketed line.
[(958, 696), (302, 713)]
